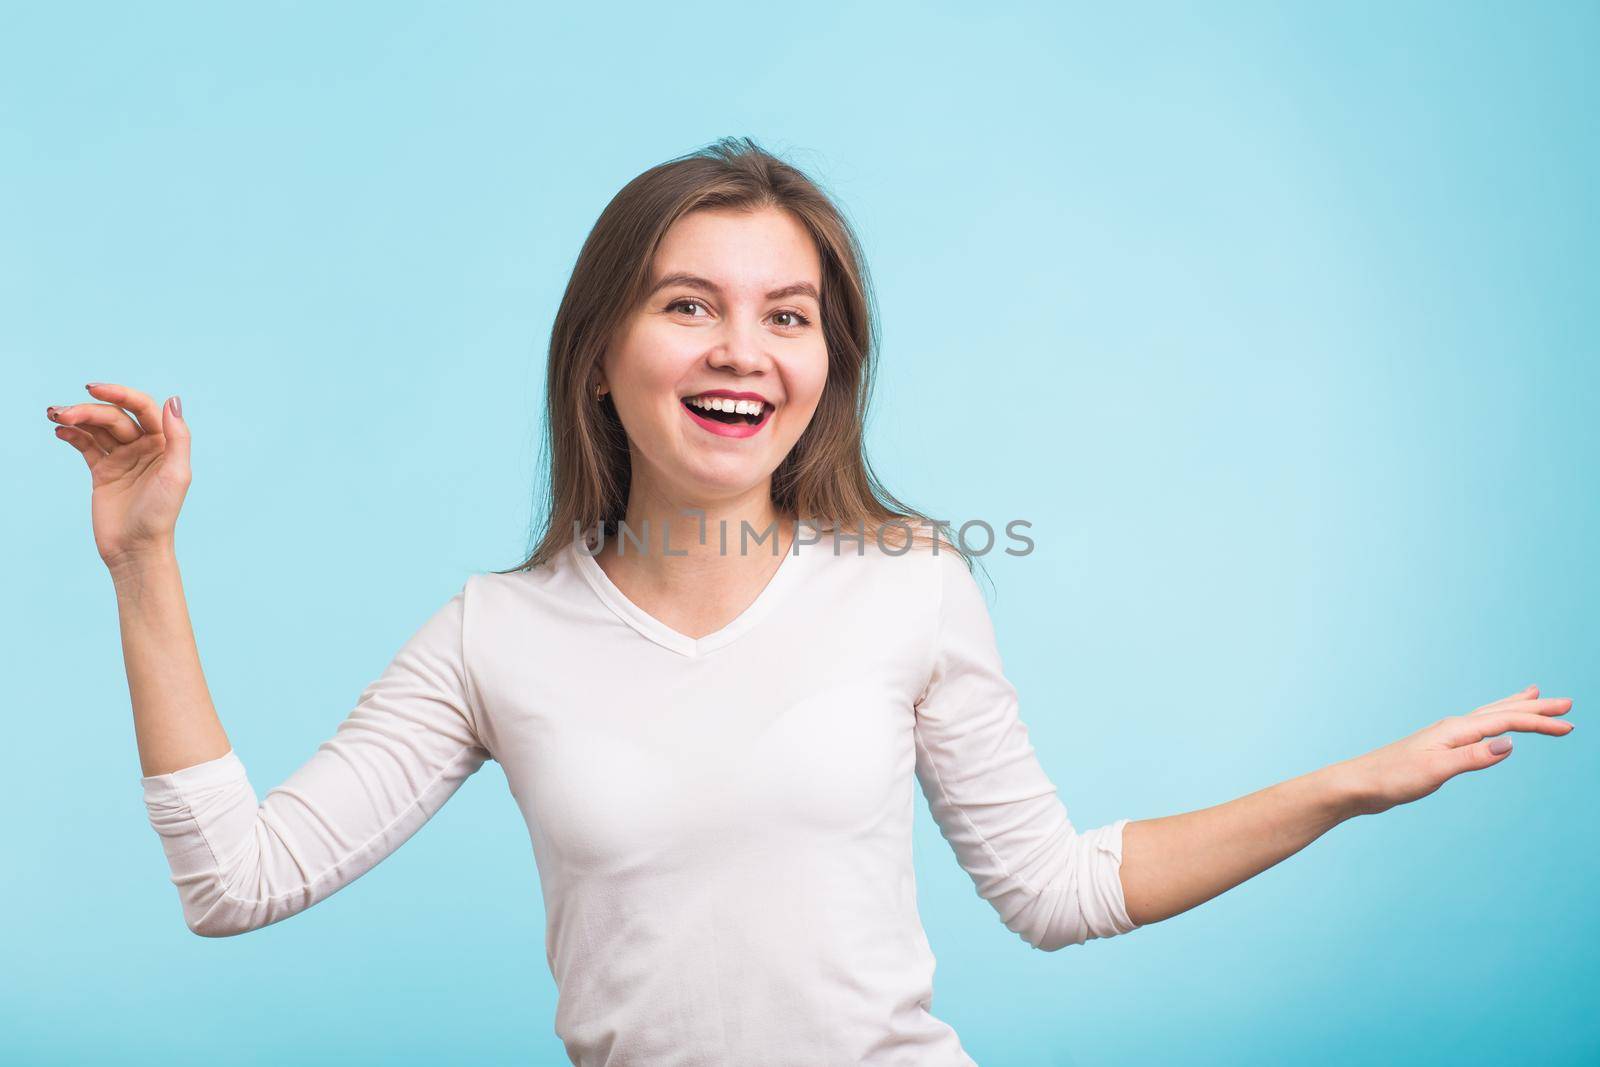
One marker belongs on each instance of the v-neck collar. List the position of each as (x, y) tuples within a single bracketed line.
[(653, 628)]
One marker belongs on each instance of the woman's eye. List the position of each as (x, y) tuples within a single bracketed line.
[(797, 320)]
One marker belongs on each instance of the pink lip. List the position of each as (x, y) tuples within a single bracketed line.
[(730, 429)]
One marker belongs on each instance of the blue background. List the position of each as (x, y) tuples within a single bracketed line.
[(1279, 325)]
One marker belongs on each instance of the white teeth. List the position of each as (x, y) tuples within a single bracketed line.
[(722, 403)]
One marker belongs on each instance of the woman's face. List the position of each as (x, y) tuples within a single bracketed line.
[(719, 370)]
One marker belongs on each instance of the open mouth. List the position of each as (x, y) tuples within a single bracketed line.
[(727, 410)]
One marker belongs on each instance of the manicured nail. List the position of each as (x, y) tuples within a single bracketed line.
[(50, 413), (177, 407), (1499, 745), (94, 385)]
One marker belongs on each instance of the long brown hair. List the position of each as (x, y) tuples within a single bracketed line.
[(826, 477)]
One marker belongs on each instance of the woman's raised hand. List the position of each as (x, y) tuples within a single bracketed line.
[(138, 457), (1415, 766)]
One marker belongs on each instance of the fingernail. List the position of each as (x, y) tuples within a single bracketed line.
[(177, 407), (50, 413), (1499, 745), (92, 385)]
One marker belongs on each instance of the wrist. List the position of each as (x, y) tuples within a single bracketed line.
[(1346, 788), (133, 565)]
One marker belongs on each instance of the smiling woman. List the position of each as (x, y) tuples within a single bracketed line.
[(714, 750), (724, 273)]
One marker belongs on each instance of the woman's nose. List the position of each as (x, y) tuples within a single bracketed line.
[(742, 350)]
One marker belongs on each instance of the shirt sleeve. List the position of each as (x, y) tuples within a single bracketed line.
[(1051, 885), (407, 746)]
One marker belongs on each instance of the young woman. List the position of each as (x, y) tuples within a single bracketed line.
[(710, 685)]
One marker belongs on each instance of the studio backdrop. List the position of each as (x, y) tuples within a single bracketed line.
[(1275, 323)]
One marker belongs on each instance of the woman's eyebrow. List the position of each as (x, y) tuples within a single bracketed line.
[(694, 281)]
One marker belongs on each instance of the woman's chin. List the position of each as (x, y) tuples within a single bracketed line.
[(722, 477)]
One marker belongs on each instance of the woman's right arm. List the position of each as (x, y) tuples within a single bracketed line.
[(140, 474), (409, 743)]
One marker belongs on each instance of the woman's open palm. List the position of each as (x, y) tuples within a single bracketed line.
[(138, 457), (1415, 766)]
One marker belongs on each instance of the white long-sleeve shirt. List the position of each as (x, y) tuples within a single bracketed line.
[(722, 826)]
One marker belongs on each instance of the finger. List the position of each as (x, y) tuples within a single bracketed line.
[(143, 408), (1471, 729), (1527, 693), (107, 417), (1483, 754), (102, 439), (177, 434), (1542, 706), (82, 442)]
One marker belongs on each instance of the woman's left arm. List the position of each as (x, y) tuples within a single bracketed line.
[(1173, 863)]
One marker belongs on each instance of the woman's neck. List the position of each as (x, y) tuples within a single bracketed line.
[(696, 564), (661, 532)]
